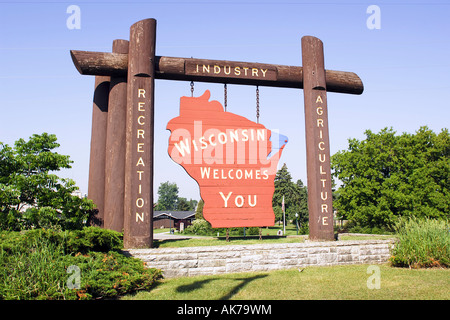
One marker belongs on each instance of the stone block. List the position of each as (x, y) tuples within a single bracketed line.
[(200, 271), (211, 263), (251, 258), (238, 267), (344, 258), (266, 267), (315, 250), (178, 264)]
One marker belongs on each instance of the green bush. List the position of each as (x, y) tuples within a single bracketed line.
[(422, 243), (35, 265), (87, 239), (199, 227), (107, 275), (34, 272), (93, 239)]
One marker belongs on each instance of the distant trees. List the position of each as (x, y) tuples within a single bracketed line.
[(168, 199), (295, 197), (387, 176)]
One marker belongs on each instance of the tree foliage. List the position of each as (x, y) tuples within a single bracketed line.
[(33, 197), (169, 199), (387, 176), (295, 197), (199, 209), (167, 196)]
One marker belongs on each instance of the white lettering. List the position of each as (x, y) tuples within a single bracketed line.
[(254, 201), (321, 143), (140, 217), (225, 199), (141, 93), (241, 201), (139, 202), (184, 147), (205, 172)]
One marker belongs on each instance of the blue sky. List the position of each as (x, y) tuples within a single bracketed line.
[(404, 66)]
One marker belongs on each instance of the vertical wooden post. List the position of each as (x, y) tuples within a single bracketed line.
[(138, 219), (320, 204), (96, 184), (115, 148)]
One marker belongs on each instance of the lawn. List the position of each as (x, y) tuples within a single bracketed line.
[(335, 282), (212, 241), (268, 236)]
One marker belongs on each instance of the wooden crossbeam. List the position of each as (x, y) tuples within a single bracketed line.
[(217, 71)]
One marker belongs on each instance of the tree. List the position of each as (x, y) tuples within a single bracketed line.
[(184, 205), (199, 210), (302, 208), (284, 187), (31, 196), (295, 196), (168, 196), (387, 176), (169, 199)]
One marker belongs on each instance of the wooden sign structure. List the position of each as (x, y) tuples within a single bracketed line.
[(141, 67), (234, 161)]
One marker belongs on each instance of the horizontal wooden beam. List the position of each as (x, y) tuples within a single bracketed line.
[(217, 71)]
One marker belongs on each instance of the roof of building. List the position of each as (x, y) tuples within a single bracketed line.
[(178, 215)]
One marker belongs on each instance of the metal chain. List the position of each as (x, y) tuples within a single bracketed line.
[(225, 93), (192, 88), (257, 104)]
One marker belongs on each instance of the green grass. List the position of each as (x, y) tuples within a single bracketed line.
[(291, 233), (336, 282), (265, 231), (210, 241)]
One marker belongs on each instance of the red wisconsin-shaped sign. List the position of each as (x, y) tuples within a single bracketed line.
[(234, 161)]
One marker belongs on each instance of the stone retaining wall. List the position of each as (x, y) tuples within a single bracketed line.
[(191, 261)]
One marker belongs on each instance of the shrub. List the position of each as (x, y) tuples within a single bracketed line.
[(35, 263), (87, 239), (93, 239), (34, 272), (199, 227), (422, 243), (106, 275)]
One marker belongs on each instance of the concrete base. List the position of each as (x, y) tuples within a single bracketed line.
[(192, 261)]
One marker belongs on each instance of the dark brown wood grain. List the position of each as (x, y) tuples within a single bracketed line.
[(138, 203), (172, 68), (320, 205), (96, 184), (115, 148)]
